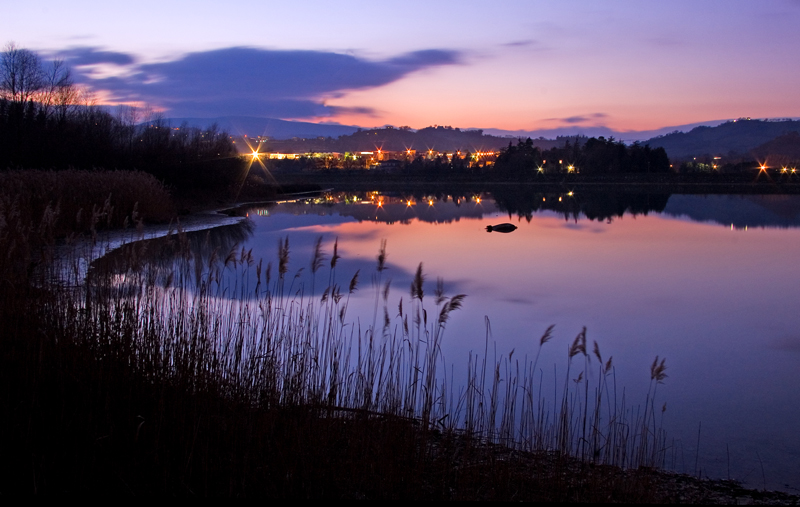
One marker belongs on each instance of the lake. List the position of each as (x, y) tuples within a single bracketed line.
[(708, 282)]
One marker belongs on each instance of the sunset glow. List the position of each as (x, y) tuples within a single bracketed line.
[(651, 66), (596, 173)]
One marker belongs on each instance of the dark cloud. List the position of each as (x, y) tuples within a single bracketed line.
[(92, 56), (426, 58), (366, 111), (286, 108), (579, 119), (521, 43), (574, 119), (253, 81)]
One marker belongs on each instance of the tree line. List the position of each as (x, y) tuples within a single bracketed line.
[(523, 161), (587, 156), (48, 122)]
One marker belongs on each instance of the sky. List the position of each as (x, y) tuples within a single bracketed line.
[(506, 64)]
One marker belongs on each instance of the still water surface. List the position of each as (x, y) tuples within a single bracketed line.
[(710, 283)]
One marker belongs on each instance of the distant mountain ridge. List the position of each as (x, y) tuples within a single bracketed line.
[(390, 139), (623, 135), (286, 129), (726, 138), (782, 149), (731, 139), (278, 129)]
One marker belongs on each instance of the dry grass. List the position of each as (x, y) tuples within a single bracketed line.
[(37, 208), (212, 375), (81, 200)]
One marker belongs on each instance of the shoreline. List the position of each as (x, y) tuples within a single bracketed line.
[(656, 183), (667, 486), (202, 218)]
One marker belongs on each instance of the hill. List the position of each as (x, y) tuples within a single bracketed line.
[(270, 127), (731, 139), (437, 138), (784, 149), (284, 129), (628, 136)]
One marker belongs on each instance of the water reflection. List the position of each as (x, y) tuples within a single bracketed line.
[(160, 254), (674, 282), (602, 206), (386, 207), (738, 212), (664, 277)]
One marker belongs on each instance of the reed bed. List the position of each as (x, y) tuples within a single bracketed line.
[(38, 208), (220, 375), (79, 201)]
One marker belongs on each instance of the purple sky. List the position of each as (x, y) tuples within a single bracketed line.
[(505, 64)]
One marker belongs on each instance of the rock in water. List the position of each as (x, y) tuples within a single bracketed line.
[(501, 228)]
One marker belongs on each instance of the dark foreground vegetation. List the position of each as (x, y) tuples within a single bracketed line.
[(183, 366), (521, 161), (588, 163), (734, 141), (35, 136), (49, 123)]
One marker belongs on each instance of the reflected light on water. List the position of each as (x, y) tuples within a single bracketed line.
[(662, 284)]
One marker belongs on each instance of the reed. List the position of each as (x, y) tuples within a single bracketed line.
[(85, 199), (207, 375)]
